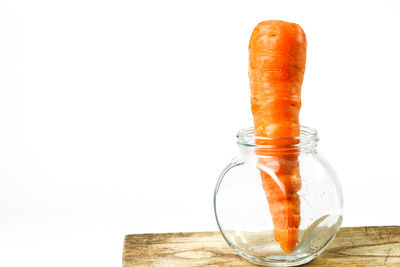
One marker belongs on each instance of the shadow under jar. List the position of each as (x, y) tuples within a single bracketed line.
[(243, 212)]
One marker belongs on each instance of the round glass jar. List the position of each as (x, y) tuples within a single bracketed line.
[(242, 210)]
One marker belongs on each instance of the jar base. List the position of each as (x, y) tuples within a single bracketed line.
[(264, 262), (268, 261)]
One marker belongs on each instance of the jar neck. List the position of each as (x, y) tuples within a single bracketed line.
[(306, 142)]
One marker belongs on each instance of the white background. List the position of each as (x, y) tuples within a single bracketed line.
[(116, 117)]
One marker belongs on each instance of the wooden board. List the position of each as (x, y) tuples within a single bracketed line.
[(353, 246)]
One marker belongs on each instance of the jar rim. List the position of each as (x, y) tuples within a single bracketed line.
[(308, 136)]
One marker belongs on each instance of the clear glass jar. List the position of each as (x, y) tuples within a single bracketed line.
[(242, 210)]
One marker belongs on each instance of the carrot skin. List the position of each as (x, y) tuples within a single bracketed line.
[(277, 54)]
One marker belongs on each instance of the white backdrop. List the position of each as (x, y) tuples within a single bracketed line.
[(116, 117)]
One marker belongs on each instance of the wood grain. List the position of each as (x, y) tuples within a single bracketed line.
[(353, 246)]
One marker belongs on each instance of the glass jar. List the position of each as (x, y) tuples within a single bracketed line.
[(242, 205)]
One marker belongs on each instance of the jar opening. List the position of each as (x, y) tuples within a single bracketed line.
[(308, 137)]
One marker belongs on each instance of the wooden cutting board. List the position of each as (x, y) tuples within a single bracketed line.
[(353, 246)]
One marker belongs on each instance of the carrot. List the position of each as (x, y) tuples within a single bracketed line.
[(277, 54)]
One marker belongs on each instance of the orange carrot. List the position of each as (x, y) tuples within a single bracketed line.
[(277, 54)]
